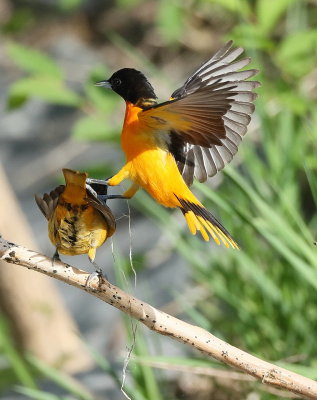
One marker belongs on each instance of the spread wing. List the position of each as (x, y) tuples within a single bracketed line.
[(48, 202), (207, 117)]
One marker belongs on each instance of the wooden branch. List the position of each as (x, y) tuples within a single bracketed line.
[(161, 322)]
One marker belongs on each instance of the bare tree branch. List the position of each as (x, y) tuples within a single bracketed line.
[(161, 322)]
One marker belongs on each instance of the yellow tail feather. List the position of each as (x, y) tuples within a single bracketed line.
[(75, 190), (75, 177), (200, 219)]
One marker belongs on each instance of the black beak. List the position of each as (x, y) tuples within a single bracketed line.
[(105, 84)]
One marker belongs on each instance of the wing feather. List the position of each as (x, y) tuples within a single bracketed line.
[(200, 171), (105, 211), (209, 114), (48, 202)]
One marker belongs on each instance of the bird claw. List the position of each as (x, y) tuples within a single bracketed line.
[(98, 184), (99, 188), (92, 276), (105, 197), (55, 257), (97, 274)]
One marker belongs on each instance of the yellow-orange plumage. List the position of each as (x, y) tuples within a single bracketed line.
[(78, 223), (194, 134), (151, 166)]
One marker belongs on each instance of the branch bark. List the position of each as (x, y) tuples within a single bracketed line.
[(161, 322)]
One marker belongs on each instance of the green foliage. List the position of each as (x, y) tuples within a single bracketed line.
[(21, 19), (146, 385), (269, 13), (170, 20), (62, 380), (36, 394), (95, 127), (297, 53), (69, 5), (45, 88), (33, 61), (13, 368), (98, 125), (45, 80), (240, 8)]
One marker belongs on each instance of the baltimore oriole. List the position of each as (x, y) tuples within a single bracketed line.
[(78, 221), (194, 134)]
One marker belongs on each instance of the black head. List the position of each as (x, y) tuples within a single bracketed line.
[(130, 84)]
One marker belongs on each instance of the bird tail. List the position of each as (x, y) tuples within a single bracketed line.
[(75, 185), (75, 177), (200, 219)]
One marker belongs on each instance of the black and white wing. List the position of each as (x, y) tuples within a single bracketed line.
[(208, 116), (48, 202)]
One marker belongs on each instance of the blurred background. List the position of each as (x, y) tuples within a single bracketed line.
[(263, 298)]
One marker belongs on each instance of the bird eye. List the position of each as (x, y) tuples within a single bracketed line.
[(116, 82)]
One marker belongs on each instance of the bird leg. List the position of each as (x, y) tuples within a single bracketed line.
[(98, 271), (55, 257), (131, 191), (105, 197), (93, 181), (126, 195)]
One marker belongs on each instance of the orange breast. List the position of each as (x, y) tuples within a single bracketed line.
[(150, 163)]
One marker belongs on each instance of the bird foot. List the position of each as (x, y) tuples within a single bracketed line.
[(55, 258), (97, 274)]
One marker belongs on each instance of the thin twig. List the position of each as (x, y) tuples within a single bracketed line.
[(161, 322)]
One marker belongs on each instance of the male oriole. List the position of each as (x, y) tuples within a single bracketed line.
[(78, 221), (194, 134)]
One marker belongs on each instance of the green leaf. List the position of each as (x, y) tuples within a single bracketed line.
[(297, 53), (249, 36), (297, 44), (33, 61), (128, 3), (61, 379), (293, 101), (103, 100), (19, 366), (20, 20), (311, 177), (45, 88), (235, 6), (170, 20), (7, 375), (94, 128), (36, 394), (16, 101), (70, 5), (269, 12)]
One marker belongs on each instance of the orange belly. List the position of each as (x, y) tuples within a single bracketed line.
[(156, 171), (149, 163), (77, 233)]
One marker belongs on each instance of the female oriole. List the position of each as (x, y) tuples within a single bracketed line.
[(78, 222), (194, 134)]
